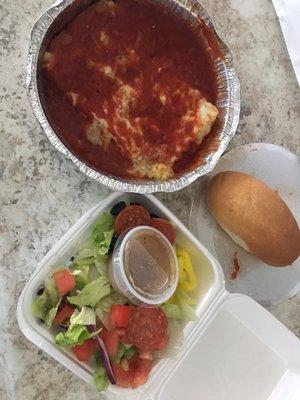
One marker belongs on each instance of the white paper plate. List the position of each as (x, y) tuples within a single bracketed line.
[(280, 169)]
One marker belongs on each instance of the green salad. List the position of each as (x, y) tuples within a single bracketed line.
[(89, 317)]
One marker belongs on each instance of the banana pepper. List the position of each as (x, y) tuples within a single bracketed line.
[(187, 276)]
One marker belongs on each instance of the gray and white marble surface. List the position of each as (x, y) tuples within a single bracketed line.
[(42, 194)]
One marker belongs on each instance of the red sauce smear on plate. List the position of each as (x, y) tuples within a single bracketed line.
[(235, 267), (166, 49)]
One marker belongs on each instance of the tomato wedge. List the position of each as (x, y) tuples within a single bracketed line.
[(141, 370), (146, 355), (64, 313), (121, 332), (123, 378), (111, 341), (85, 350), (64, 281), (136, 375), (119, 316)]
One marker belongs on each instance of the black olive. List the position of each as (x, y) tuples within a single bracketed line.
[(72, 258), (112, 244), (40, 290), (152, 215), (117, 208)]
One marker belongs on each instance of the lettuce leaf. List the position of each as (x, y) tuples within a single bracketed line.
[(84, 317), (86, 251), (101, 266), (93, 273), (179, 311), (41, 306), (124, 350), (46, 305), (113, 298), (81, 274), (172, 310), (91, 293), (188, 312), (77, 332), (100, 378), (181, 294), (51, 314), (89, 261), (182, 308), (102, 233), (50, 288)]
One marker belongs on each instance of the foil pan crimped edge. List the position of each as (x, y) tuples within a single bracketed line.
[(229, 102)]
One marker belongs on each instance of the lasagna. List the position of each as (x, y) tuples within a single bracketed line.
[(130, 89)]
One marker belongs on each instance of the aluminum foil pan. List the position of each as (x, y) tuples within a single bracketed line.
[(60, 13)]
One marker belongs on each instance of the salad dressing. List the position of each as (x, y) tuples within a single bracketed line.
[(148, 262)]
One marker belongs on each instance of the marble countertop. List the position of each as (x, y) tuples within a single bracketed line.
[(42, 194)]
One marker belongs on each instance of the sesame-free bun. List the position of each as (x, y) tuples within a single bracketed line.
[(255, 217)]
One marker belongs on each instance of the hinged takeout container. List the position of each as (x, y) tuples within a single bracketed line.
[(235, 350)]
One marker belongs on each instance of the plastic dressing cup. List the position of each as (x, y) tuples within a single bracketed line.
[(144, 266)]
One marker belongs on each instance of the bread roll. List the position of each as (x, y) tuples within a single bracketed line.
[(255, 217)]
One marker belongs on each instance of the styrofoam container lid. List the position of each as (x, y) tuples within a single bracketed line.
[(235, 350), (244, 353)]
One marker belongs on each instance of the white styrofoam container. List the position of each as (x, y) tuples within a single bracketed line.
[(236, 349)]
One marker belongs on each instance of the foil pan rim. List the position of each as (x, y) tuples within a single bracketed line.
[(38, 33)]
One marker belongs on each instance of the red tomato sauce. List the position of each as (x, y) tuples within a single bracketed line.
[(235, 267), (162, 42)]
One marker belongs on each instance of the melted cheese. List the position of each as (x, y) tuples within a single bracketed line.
[(133, 133), (134, 86), (150, 161)]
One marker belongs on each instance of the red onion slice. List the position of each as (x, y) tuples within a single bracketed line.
[(104, 355)]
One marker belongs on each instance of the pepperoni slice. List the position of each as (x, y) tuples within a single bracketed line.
[(147, 328), (165, 227), (131, 217)]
